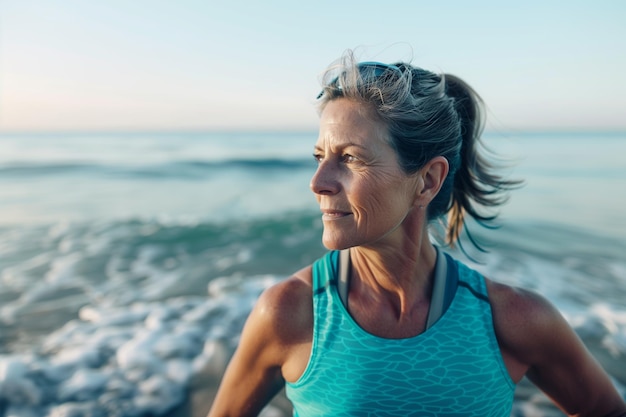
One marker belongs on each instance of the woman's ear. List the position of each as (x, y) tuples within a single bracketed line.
[(433, 175)]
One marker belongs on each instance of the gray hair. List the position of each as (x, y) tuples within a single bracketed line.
[(427, 115)]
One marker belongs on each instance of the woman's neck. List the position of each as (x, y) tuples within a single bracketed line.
[(398, 276)]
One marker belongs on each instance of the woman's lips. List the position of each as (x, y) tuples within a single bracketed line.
[(334, 214)]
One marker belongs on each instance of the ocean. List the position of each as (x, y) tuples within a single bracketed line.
[(129, 261)]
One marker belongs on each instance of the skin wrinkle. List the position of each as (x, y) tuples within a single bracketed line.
[(367, 185), (374, 187)]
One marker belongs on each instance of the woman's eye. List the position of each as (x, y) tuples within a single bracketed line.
[(346, 158)]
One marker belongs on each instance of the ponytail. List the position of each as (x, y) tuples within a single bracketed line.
[(475, 183)]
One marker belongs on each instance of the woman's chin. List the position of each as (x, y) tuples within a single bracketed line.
[(336, 244)]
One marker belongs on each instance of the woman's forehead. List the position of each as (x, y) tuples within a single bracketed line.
[(347, 121), (344, 127)]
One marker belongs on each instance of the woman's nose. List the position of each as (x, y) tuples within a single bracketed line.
[(325, 179)]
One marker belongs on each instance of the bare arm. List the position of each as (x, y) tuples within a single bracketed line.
[(275, 328), (536, 338)]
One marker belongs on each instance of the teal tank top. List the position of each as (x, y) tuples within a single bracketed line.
[(452, 369)]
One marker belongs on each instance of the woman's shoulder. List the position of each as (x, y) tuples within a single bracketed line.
[(288, 293), (517, 310), (536, 341), (286, 308), (518, 303), (526, 323)]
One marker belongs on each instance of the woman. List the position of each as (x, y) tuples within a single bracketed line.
[(385, 324)]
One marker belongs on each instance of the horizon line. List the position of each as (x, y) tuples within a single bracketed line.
[(112, 131)]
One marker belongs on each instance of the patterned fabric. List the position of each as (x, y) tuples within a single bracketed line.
[(453, 369)]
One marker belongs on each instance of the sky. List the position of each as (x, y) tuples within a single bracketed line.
[(81, 65)]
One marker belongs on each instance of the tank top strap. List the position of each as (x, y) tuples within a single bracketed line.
[(325, 271), (472, 281)]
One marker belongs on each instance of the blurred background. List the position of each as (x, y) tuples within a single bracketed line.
[(155, 160)]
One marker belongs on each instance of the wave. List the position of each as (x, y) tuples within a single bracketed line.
[(184, 168), (113, 260)]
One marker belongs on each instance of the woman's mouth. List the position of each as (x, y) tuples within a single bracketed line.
[(334, 214)]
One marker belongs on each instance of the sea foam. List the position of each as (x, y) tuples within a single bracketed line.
[(129, 361)]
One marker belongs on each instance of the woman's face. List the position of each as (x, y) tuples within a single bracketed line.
[(363, 193)]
